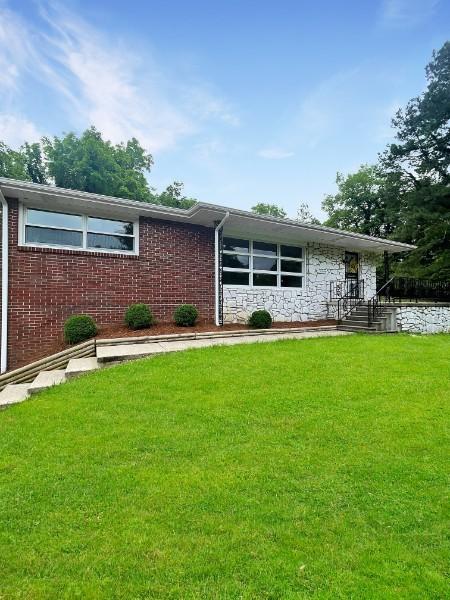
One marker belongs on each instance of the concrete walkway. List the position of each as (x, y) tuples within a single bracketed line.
[(132, 351)]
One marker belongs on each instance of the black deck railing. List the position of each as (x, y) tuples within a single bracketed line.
[(415, 290)]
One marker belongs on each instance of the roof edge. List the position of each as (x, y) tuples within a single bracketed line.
[(190, 212)]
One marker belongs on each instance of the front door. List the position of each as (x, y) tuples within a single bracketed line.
[(352, 273)]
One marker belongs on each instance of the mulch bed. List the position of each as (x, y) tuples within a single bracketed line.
[(119, 331)]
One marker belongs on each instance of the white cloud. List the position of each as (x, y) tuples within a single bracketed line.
[(274, 153), (15, 130), (407, 13), (100, 82)]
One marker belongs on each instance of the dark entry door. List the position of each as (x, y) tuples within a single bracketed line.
[(352, 273)]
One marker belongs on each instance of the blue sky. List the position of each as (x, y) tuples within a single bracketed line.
[(244, 101)]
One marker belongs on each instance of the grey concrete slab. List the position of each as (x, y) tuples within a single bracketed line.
[(47, 379), (14, 393), (127, 351), (79, 366)]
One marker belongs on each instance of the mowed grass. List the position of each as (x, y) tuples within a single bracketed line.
[(296, 469)]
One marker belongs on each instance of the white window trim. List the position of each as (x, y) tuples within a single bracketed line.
[(278, 272), (84, 230)]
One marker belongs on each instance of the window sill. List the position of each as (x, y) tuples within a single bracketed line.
[(77, 252), (263, 287)]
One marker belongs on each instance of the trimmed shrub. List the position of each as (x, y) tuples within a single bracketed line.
[(138, 316), (78, 328), (185, 315), (260, 319)]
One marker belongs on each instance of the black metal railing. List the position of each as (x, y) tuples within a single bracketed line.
[(345, 287), (408, 288), (353, 297), (374, 305)]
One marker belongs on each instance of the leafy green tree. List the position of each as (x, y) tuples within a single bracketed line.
[(304, 215), (420, 158), (366, 202), (173, 196), (34, 162), (271, 210), (12, 163), (92, 164)]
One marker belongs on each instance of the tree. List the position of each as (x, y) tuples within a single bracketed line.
[(271, 210), (420, 158), (34, 162), (12, 163), (92, 164), (304, 215), (366, 202), (173, 196)]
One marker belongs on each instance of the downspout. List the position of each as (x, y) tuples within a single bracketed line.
[(216, 266), (5, 280)]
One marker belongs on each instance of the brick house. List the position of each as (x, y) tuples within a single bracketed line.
[(72, 252)]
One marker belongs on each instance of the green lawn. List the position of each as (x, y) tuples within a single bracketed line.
[(296, 469)]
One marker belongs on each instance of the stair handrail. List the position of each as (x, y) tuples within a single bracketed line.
[(347, 303), (373, 304)]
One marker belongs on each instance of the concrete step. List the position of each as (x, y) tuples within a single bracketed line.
[(47, 379), (79, 366), (356, 328), (14, 393), (107, 354)]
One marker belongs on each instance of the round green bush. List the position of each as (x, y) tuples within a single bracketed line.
[(138, 316), (260, 319), (78, 328), (185, 315)]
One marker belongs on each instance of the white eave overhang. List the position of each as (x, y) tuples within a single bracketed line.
[(240, 223)]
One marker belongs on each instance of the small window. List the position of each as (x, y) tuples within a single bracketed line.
[(264, 279), (45, 218), (291, 281), (291, 251), (53, 237), (291, 266), (101, 234), (235, 278), (264, 248), (109, 226), (53, 229), (265, 264), (236, 245), (236, 261), (110, 242)]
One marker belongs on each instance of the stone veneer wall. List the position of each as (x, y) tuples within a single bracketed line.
[(323, 264), (423, 319)]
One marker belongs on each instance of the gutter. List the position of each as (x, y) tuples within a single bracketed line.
[(5, 281), (216, 267)]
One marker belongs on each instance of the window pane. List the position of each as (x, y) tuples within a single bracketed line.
[(53, 237), (264, 264), (110, 226), (235, 278), (53, 219), (110, 242), (235, 245), (235, 261), (292, 266), (264, 279), (291, 251), (291, 281), (264, 248)]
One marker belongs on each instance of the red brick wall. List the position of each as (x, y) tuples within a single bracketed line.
[(175, 265)]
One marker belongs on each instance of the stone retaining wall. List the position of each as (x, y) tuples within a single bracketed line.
[(423, 318), (323, 265)]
